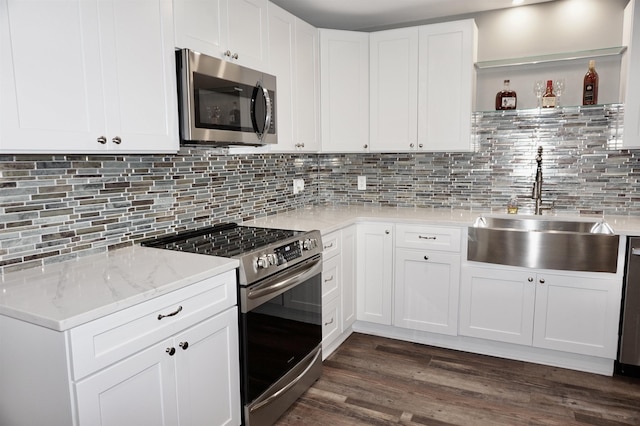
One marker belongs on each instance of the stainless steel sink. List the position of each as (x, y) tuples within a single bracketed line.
[(544, 243)]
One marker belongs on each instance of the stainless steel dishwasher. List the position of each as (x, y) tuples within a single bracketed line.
[(629, 352)]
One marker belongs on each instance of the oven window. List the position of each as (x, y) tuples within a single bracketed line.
[(280, 333)]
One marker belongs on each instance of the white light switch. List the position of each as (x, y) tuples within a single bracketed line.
[(362, 183)]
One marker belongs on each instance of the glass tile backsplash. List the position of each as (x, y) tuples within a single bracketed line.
[(57, 207)]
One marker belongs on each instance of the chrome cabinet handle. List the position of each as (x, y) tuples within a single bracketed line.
[(426, 258), (542, 281), (420, 146), (329, 279), (176, 312), (171, 351), (330, 322), (387, 232), (117, 140), (328, 246), (366, 146), (184, 345), (530, 279), (426, 238), (411, 145), (102, 140)]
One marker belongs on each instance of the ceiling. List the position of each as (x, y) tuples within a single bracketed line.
[(378, 14)]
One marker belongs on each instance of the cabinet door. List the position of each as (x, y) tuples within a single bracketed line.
[(348, 254), (426, 291), (344, 65), (631, 38), (201, 25), (331, 278), (330, 324), (140, 390), (375, 272), (307, 88), (394, 89), (139, 75), (247, 32), (446, 82), (497, 304), (577, 314), (207, 371), (282, 26), (51, 95)]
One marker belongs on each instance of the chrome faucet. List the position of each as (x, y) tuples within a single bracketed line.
[(537, 185)]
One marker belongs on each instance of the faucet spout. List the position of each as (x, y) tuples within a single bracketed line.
[(537, 185)]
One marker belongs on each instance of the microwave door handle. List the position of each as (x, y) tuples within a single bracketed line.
[(269, 111), (254, 118)]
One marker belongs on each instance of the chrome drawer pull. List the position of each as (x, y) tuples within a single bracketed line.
[(330, 322), (328, 246), (426, 238), (176, 312), (329, 279)]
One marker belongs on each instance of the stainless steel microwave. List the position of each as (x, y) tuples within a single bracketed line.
[(223, 103)]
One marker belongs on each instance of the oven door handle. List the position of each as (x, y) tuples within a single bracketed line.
[(286, 281), (288, 385)]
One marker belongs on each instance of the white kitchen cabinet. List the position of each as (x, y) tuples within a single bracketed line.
[(575, 313), (446, 85), (234, 30), (375, 272), (185, 380), (133, 366), (104, 84), (427, 278), (394, 89), (344, 65), (630, 86), (338, 288), (294, 60)]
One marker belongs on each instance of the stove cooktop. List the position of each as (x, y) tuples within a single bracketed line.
[(226, 240)]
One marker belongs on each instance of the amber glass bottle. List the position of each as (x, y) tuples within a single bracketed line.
[(590, 87), (506, 98), (549, 98)]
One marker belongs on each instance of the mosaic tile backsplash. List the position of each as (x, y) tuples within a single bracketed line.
[(57, 207)]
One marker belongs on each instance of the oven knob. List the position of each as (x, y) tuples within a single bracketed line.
[(263, 262), (273, 259), (309, 243)]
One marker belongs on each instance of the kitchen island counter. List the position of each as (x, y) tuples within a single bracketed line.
[(64, 295)]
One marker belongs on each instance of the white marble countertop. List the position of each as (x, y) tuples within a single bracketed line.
[(330, 218), (64, 295)]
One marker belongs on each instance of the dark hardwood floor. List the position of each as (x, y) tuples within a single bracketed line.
[(376, 381)]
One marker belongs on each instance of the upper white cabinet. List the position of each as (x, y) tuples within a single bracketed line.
[(235, 30), (344, 97), (422, 87), (446, 84), (294, 60), (631, 83), (87, 76), (394, 89)]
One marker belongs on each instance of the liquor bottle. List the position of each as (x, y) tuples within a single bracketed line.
[(590, 87), (506, 98), (549, 99)]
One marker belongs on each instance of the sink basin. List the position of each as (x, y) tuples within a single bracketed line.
[(589, 246)]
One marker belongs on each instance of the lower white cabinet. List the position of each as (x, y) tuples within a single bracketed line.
[(171, 360), (575, 313), (187, 380), (375, 272), (338, 288), (426, 291)]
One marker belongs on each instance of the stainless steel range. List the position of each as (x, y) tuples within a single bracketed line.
[(279, 295)]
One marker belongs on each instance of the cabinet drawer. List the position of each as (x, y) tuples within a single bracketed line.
[(331, 278), (430, 237), (331, 245), (330, 321), (109, 339)]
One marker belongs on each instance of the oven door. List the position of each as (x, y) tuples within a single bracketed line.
[(281, 335)]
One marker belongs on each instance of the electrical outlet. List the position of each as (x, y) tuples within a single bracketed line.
[(298, 185), (362, 183)]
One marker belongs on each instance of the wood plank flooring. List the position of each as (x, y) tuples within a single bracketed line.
[(377, 381)]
